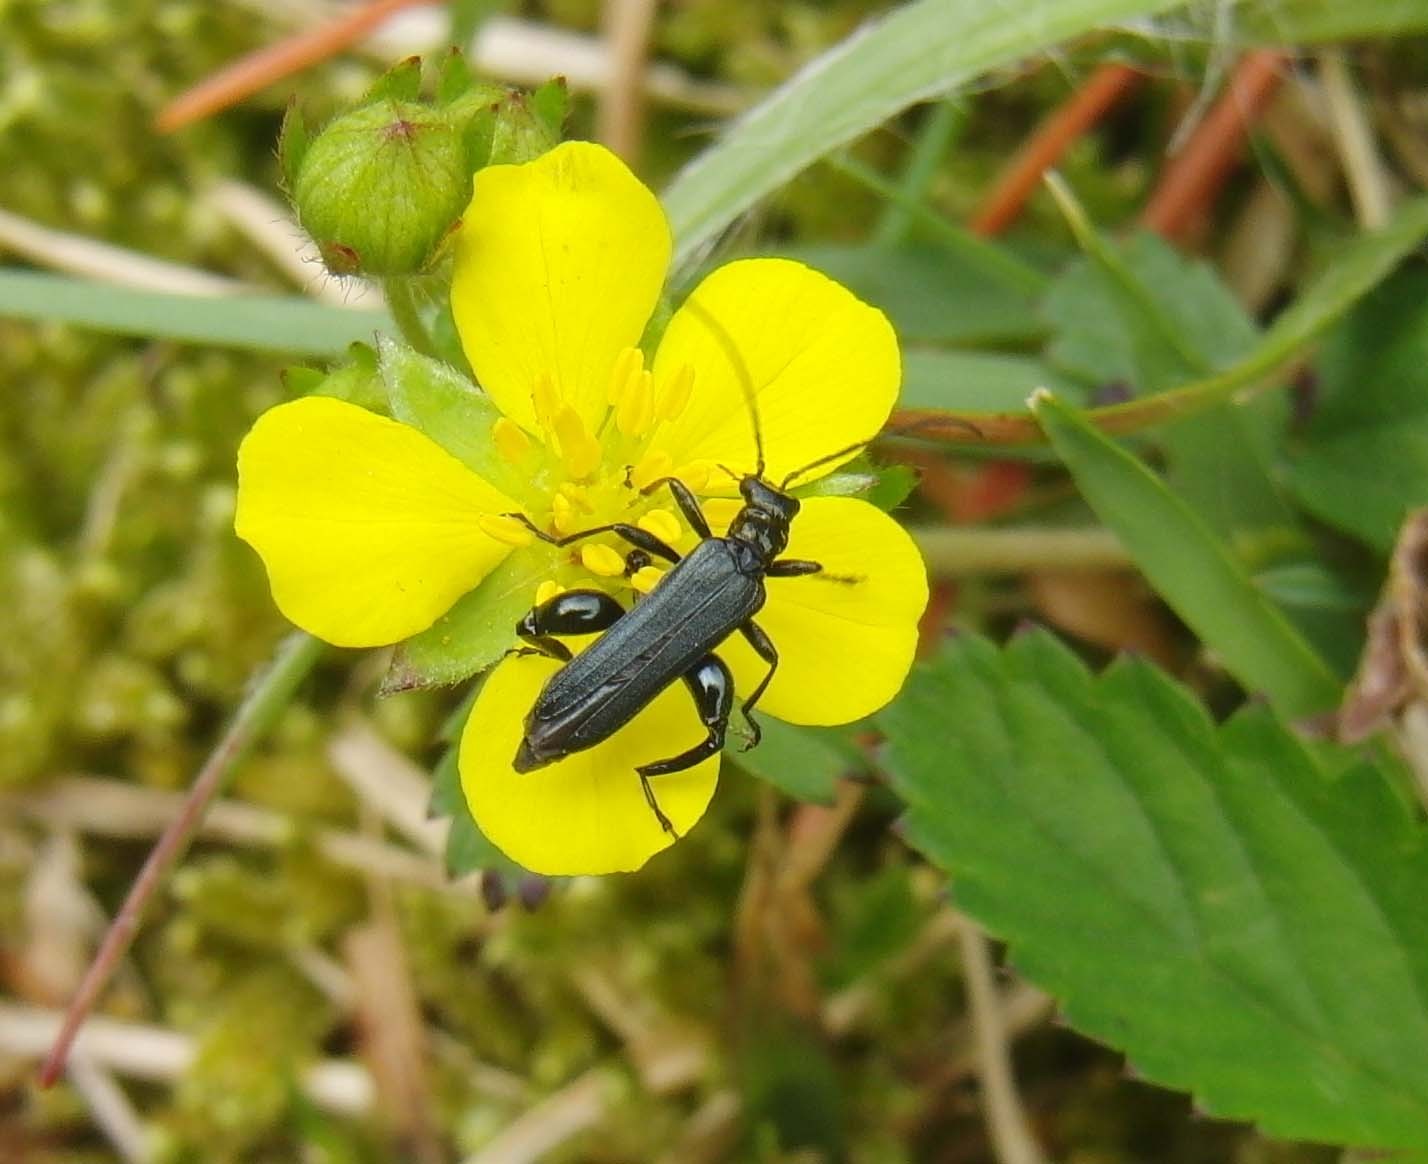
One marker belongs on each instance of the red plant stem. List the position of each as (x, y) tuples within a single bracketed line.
[(292, 54), (1195, 175), (268, 697), (1022, 175)]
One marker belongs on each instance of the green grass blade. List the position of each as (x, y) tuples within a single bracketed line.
[(279, 323), (1190, 567), (921, 50)]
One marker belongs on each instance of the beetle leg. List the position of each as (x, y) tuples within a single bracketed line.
[(763, 646), (687, 502), (574, 612), (712, 686), (792, 568), (631, 533)]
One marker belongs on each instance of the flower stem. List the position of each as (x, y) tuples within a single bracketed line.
[(268, 696), (402, 303)]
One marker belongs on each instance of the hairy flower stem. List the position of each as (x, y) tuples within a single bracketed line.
[(267, 698), (402, 303)]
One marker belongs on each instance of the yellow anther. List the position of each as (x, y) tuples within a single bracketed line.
[(510, 439), (578, 449), (546, 401), (602, 560), (627, 364), (721, 510), (674, 394), (505, 529), (635, 412), (548, 590), (696, 474), (653, 465), (645, 578), (563, 515), (664, 525)]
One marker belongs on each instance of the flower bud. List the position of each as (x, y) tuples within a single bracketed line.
[(380, 187)]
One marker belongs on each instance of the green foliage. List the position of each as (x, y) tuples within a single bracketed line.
[(804, 762), (467, 848), (1190, 567), (274, 323), (919, 50), (1363, 463), (1215, 901)]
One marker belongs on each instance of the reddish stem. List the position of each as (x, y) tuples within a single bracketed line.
[(1195, 175), (1022, 175), (248, 74)]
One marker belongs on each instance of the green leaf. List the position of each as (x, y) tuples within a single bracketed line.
[(1190, 567), (928, 295), (437, 399), (1307, 21), (278, 323), (475, 632), (1205, 898), (1364, 461), (978, 381), (918, 51), (804, 762)]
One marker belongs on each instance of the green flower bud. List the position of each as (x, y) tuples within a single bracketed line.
[(380, 187)]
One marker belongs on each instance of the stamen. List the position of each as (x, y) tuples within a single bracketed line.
[(602, 560), (510, 440), (674, 396), (578, 449), (505, 529), (696, 474), (628, 364), (635, 411), (546, 401), (721, 510), (644, 579), (548, 590), (664, 525), (563, 515), (653, 465)]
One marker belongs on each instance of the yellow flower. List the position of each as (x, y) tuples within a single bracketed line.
[(370, 531)]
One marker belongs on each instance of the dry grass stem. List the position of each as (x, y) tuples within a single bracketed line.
[(110, 1109), (161, 1056), (621, 117), (388, 783), (78, 255), (1006, 1120), (1369, 186), (554, 1121), (953, 552)]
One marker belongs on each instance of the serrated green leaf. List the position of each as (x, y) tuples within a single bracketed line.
[(919, 50), (1364, 461), (1190, 567), (275, 323), (1204, 898), (929, 295), (978, 381), (804, 762), (475, 632)]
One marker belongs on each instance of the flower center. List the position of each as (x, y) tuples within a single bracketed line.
[(591, 479)]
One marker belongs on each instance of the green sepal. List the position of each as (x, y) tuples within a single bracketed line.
[(402, 82), (355, 380), (293, 140), (551, 104)]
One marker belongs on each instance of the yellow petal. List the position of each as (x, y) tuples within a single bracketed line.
[(559, 263), (369, 530), (822, 365), (845, 637), (586, 813)]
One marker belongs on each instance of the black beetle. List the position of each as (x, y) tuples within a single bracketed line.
[(669, 634)]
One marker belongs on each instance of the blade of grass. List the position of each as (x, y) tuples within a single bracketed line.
[(1190, 567), (921, 50), (282, 323), (1359, 267)]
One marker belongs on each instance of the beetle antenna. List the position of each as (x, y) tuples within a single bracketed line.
[(741, 372), (843, 452)]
